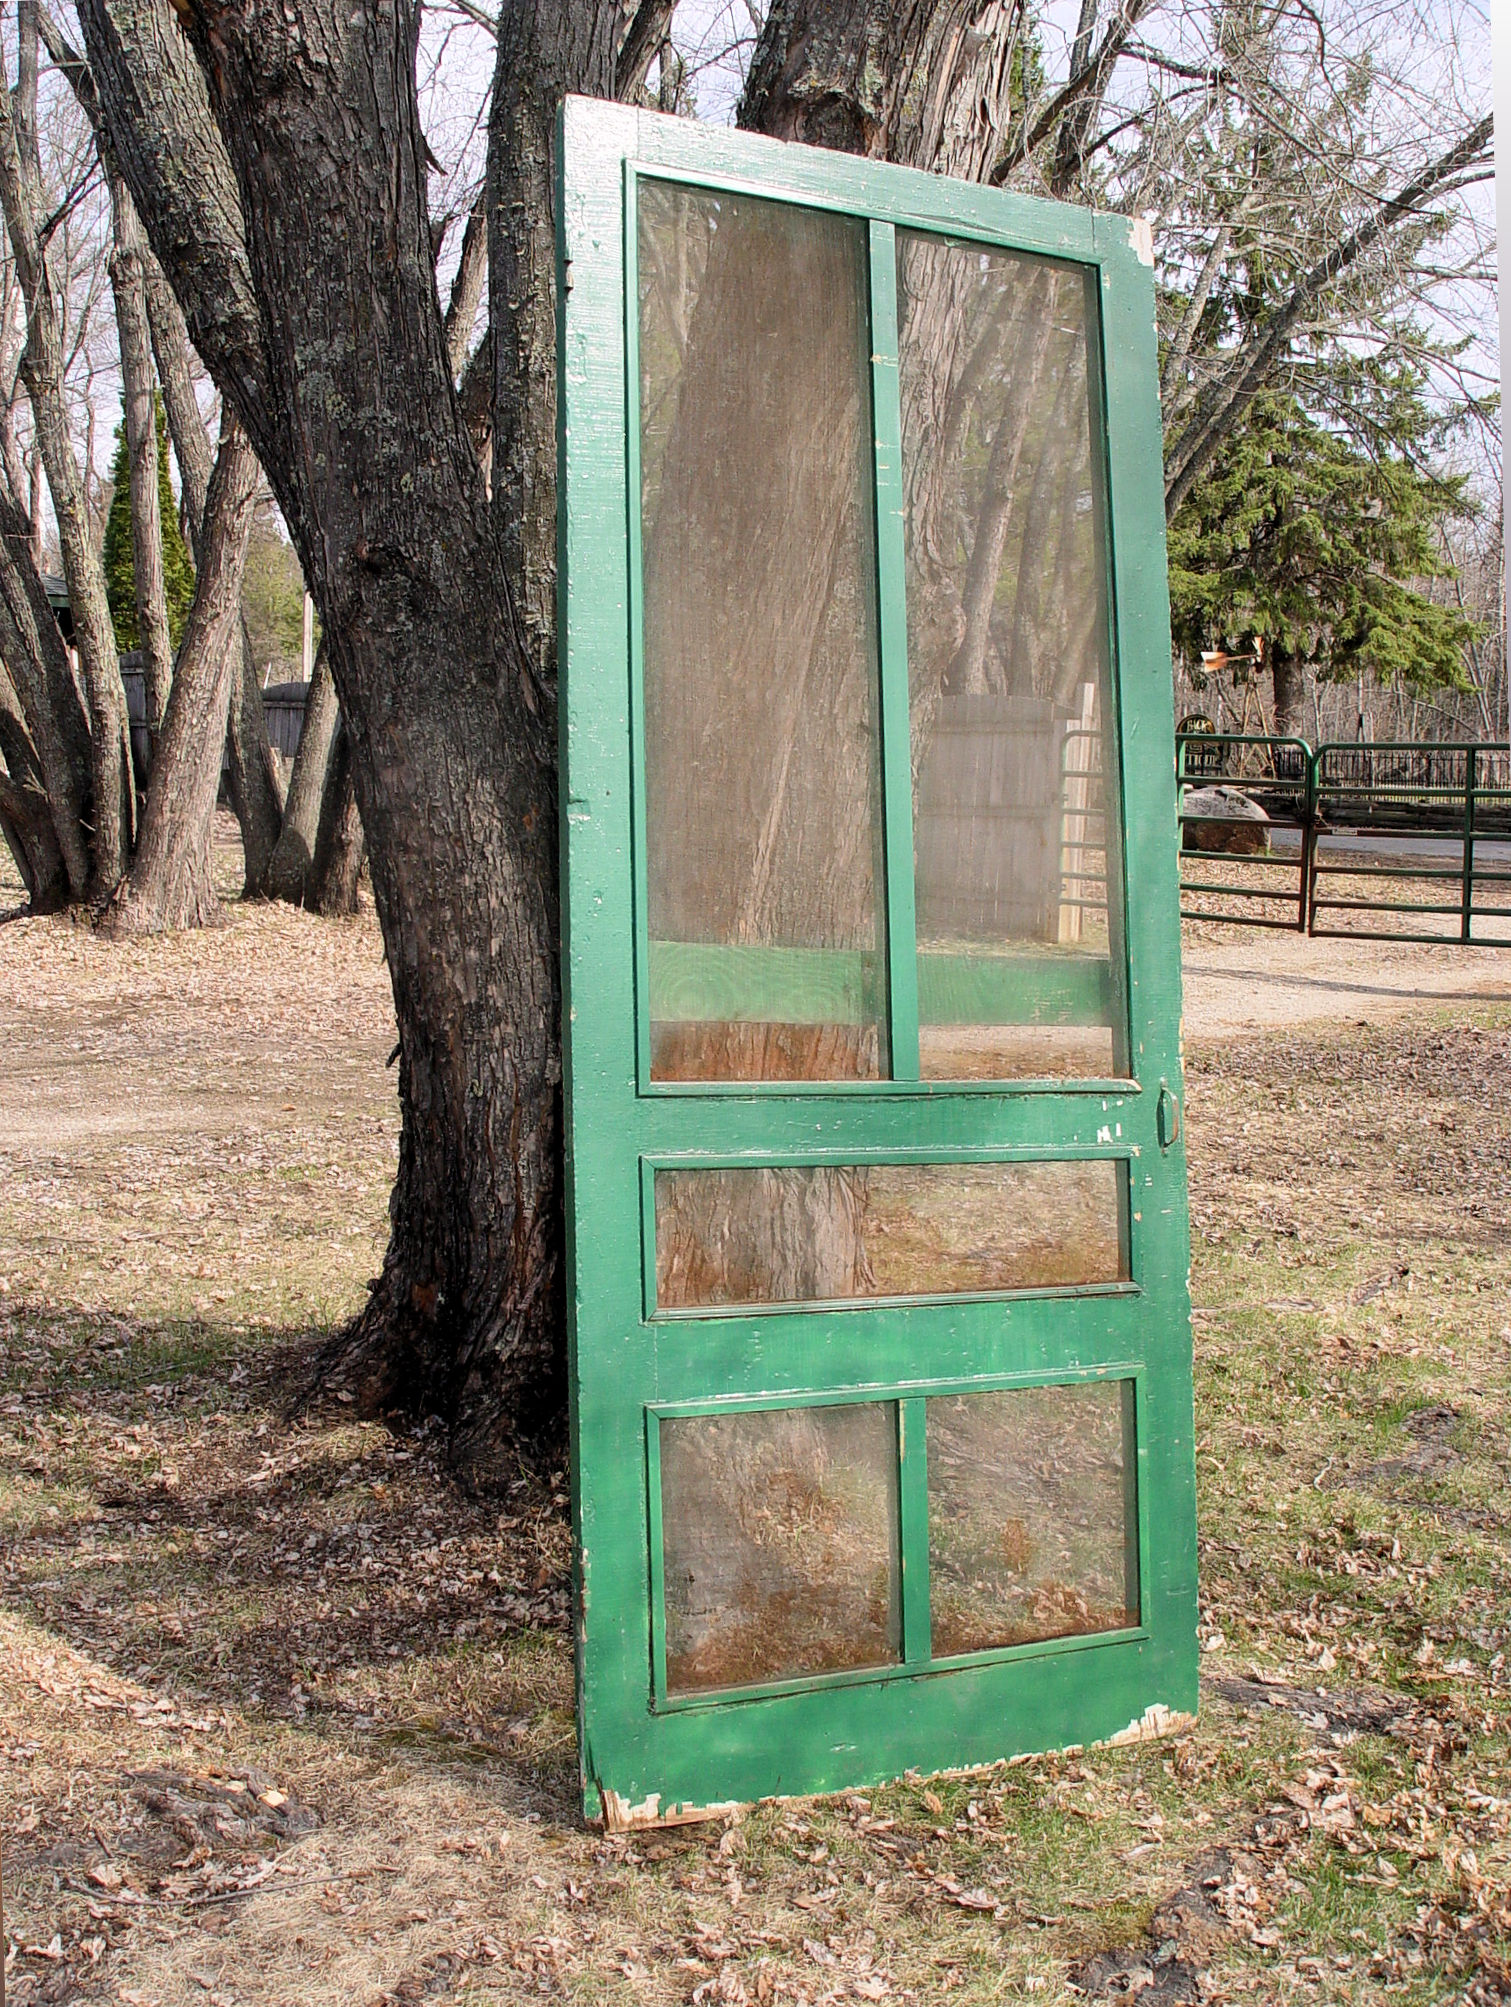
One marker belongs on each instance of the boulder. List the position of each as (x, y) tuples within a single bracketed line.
[(1224, 818)]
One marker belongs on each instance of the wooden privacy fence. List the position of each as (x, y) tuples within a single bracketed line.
[(1376, 841), (282, 703)]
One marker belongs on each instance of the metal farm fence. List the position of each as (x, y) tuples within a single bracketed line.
[(1360, 826)]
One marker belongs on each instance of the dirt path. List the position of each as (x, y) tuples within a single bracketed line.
[(1239, 979)]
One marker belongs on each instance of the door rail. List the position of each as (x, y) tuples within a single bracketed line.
[(1423, 814)]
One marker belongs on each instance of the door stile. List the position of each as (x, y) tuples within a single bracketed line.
[(913, 1513), (892, 627), (636, 625), (1139, 610)]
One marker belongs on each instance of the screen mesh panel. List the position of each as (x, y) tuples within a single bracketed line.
[(759, 638), (1008, 663), (1032, 1515), (780, 1544), (811, 1233)]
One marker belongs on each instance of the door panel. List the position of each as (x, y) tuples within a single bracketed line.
[(813, 1233), (780, 1535), (880, 1347)]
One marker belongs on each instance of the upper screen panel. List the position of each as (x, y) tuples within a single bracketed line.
[(762, 817), (1010, 691)]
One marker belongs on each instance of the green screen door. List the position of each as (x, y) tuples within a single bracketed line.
[(880, 1340)]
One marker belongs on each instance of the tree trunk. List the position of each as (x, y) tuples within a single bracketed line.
[(340, 847), (467, 290), (42, 371), (127, 283), (451, 718), (290, 869), (1289, 673), (26, 825), (282, 181), (546, 48), (252, 779), (46, 696), (169, 884), (254, 782)]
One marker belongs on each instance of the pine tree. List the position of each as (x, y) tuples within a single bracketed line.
[(1299, 538), (120, 545)]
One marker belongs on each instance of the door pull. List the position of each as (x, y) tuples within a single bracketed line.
[(1168, 1116)]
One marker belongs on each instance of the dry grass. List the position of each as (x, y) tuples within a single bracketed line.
[(285, 1718)]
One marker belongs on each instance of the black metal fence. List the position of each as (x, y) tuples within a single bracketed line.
[(1360, 827)]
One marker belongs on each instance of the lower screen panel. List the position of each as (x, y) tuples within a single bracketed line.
[(782, 1529), (780, 1544), (1032, 1515)]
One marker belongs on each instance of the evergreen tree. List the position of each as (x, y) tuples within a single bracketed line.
[(1298, 538), (120, 546)]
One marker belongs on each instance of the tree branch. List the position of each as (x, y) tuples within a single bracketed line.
[(1223, 403), (1089, 81), (169, 149), (642, 38), (169, 884), (467, 288)]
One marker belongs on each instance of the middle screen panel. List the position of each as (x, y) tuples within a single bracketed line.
[(764, 883)]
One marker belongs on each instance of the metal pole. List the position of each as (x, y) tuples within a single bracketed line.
[(1309, 844), (1308, 782), (1466, 924), (1500, 17)]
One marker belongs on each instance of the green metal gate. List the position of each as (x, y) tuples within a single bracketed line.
[(880, 1341), (1412, 804)]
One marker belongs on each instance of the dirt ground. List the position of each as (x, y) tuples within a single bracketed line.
[(1260, 981), (286, 1718)]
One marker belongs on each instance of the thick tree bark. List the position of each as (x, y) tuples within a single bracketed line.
[(929, 86), (643, 41), (129, 287), (291, 867), (169, 884), (546, 48)]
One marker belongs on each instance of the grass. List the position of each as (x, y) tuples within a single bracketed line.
[(213, 1599)]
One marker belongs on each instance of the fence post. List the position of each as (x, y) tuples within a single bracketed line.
[(1308, 916), (1466, 923)]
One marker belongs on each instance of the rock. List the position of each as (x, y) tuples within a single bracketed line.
[(1226, 819)]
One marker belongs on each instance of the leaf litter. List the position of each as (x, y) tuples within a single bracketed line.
[(285, 1716)]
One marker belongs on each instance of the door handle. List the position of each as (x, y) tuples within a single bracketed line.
[(1167, 1116)]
